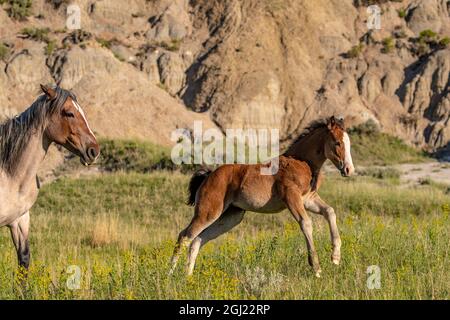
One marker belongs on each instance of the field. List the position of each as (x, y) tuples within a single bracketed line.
[(119, 229)]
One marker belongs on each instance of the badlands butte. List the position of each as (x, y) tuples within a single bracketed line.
[(142, 68)]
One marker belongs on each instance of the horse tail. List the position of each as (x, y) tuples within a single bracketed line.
[(194, 184)]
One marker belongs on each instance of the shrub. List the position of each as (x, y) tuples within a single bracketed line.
[(4, 51), (402, 13), (173, 45), (130, 155), (444, 42), (104, 43), (50, 48), (368, 128), (355, 51), (36, 34), (427, 34), (19, 9), (388, 45)]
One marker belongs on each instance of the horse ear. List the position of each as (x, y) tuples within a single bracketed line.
[(341, 122), (331, 122), (50, 92)]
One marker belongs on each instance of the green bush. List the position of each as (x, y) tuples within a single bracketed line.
[(355, 51), (402, 13), (173, 45), (4, 51), (130, 155), (36, 34), (19, 9), (104, 43), (427, 34), (50, 48), (388, 45), (444, 42)]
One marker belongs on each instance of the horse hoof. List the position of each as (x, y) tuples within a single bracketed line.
[(318, 274), (335, 261)]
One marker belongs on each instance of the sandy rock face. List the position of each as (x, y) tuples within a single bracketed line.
[(431, 14), (172, 24), (242, 64)]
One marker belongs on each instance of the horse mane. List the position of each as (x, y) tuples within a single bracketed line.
[(16, 132), (313, 126)]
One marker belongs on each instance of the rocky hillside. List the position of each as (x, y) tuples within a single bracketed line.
[(144, 67)]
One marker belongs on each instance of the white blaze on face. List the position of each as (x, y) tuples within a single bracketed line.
[(78, 107), (348, 162)]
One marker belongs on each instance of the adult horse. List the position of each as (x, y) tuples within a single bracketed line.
[(221, 197), (56, 117)]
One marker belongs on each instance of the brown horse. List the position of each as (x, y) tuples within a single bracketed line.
[(221, 197), (56, 117)]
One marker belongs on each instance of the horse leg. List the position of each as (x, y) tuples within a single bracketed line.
[(294, 202), (317, 205), (227, 221), (19, 232), (205, 215)]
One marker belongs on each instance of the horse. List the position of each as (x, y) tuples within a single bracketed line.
[(221, 197), (56, 117)]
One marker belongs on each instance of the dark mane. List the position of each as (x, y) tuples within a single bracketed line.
[(16, 132), (313, 126)]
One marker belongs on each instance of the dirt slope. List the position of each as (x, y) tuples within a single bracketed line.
[(139, 66)]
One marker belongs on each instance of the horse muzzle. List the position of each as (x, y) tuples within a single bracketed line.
[(90, 155)]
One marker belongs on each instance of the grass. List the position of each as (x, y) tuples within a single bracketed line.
[(372, 147), (124, 155), (380, 172), (131, 155), (50, 48), (4, 51), (119, 229), (36, 34)]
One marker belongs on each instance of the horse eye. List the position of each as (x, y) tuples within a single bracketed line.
[(68, 114)]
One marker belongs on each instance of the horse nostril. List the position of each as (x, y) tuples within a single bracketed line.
[(92, 153), (347, 170)]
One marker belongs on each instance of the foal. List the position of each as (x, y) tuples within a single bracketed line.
[(221, 197), (56, 117)]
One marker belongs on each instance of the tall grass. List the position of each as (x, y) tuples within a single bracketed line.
[(120, 230)]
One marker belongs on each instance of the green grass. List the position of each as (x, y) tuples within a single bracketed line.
[(37, 34), (382, 149), (120, 230), (125, 155), (4, 51)]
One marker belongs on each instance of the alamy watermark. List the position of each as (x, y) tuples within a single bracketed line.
[(73, 20), (211, 147), (73, 281), (374, 19), (374, 278)]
